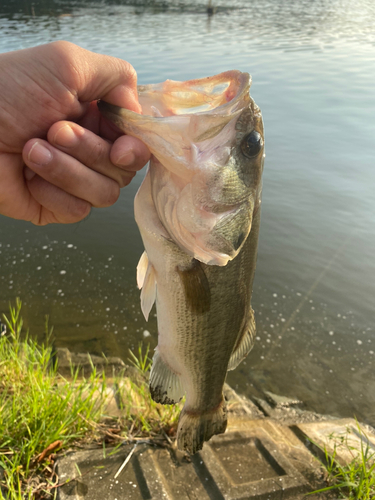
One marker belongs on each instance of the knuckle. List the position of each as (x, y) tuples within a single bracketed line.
[(126, 178), (110, 195), (132, 74), (79, 209), (75, 210), (96, 153), (70, 61), (63, 46), (128, 69), (64, 51)]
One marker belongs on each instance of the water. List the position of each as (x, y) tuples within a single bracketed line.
[(313, 71)]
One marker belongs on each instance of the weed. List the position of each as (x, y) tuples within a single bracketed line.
[(38, 408), (142, 416), (142, 362), (42, 413), (355, 480)]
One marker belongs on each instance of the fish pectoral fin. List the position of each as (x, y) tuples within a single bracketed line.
[(142, 269), (244, 343), (195, 427), (148, 293), (196, 287), (165, 384)]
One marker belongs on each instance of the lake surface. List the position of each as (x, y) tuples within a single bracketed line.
[(313, 69)]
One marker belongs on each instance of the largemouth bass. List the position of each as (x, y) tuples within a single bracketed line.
[(198, 211)]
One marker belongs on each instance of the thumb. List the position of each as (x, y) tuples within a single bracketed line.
[(97, 76)]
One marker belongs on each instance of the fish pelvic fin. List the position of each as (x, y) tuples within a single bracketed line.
[(142, 269), (244, 343), (165, 384), (194, 428), (148, 293)]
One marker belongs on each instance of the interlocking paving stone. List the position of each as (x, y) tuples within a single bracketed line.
[(324, 434), (262, 456), (251, 465), (247, 464), (138, 481), (287, 409), (179, 476)]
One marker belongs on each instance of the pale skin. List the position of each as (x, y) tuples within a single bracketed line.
[(58, 156)]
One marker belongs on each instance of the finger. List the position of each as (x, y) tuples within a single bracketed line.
[(70, 175), (94, 76), (56, 205), (93, 120), (88, 148), (130, 153)]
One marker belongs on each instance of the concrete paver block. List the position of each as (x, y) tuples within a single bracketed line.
[(287, 410), (240, 407), (262, 456), (179, 476), (138, 481), (337, 433), (248, 464), (85, 363), (251, 465)]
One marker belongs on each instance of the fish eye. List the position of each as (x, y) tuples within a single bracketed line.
[(251, 144)]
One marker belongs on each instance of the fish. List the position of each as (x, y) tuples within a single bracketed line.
[(198, 212)]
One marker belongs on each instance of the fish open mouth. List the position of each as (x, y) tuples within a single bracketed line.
[(204, 95), (179, 118), (193, 130)]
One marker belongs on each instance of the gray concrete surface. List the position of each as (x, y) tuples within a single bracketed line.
[(265, 454)]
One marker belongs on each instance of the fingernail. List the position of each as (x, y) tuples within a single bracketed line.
[(28, 173), (39, 154), (66, 137), (126, 160)]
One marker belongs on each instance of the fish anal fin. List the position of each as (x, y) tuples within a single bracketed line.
[(194, 428), (196, 287), (244, 343), (148, 293), (142, 269), (165, 385)]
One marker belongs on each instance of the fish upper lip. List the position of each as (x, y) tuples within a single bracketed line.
[(241, 81)]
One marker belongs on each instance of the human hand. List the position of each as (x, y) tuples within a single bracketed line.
[(58, 155)]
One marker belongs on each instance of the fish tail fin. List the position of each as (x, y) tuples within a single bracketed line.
[(195, 428), (165, 385)]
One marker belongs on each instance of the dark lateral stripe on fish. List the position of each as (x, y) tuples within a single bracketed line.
[(196, 287), (200, 413)]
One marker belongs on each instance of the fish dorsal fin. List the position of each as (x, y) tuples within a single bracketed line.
[(244, 343), (148, 293), (165, 385), (142, 269)]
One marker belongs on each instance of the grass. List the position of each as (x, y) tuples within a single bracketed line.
[(356, 479), (42, 413), (140, 411)]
